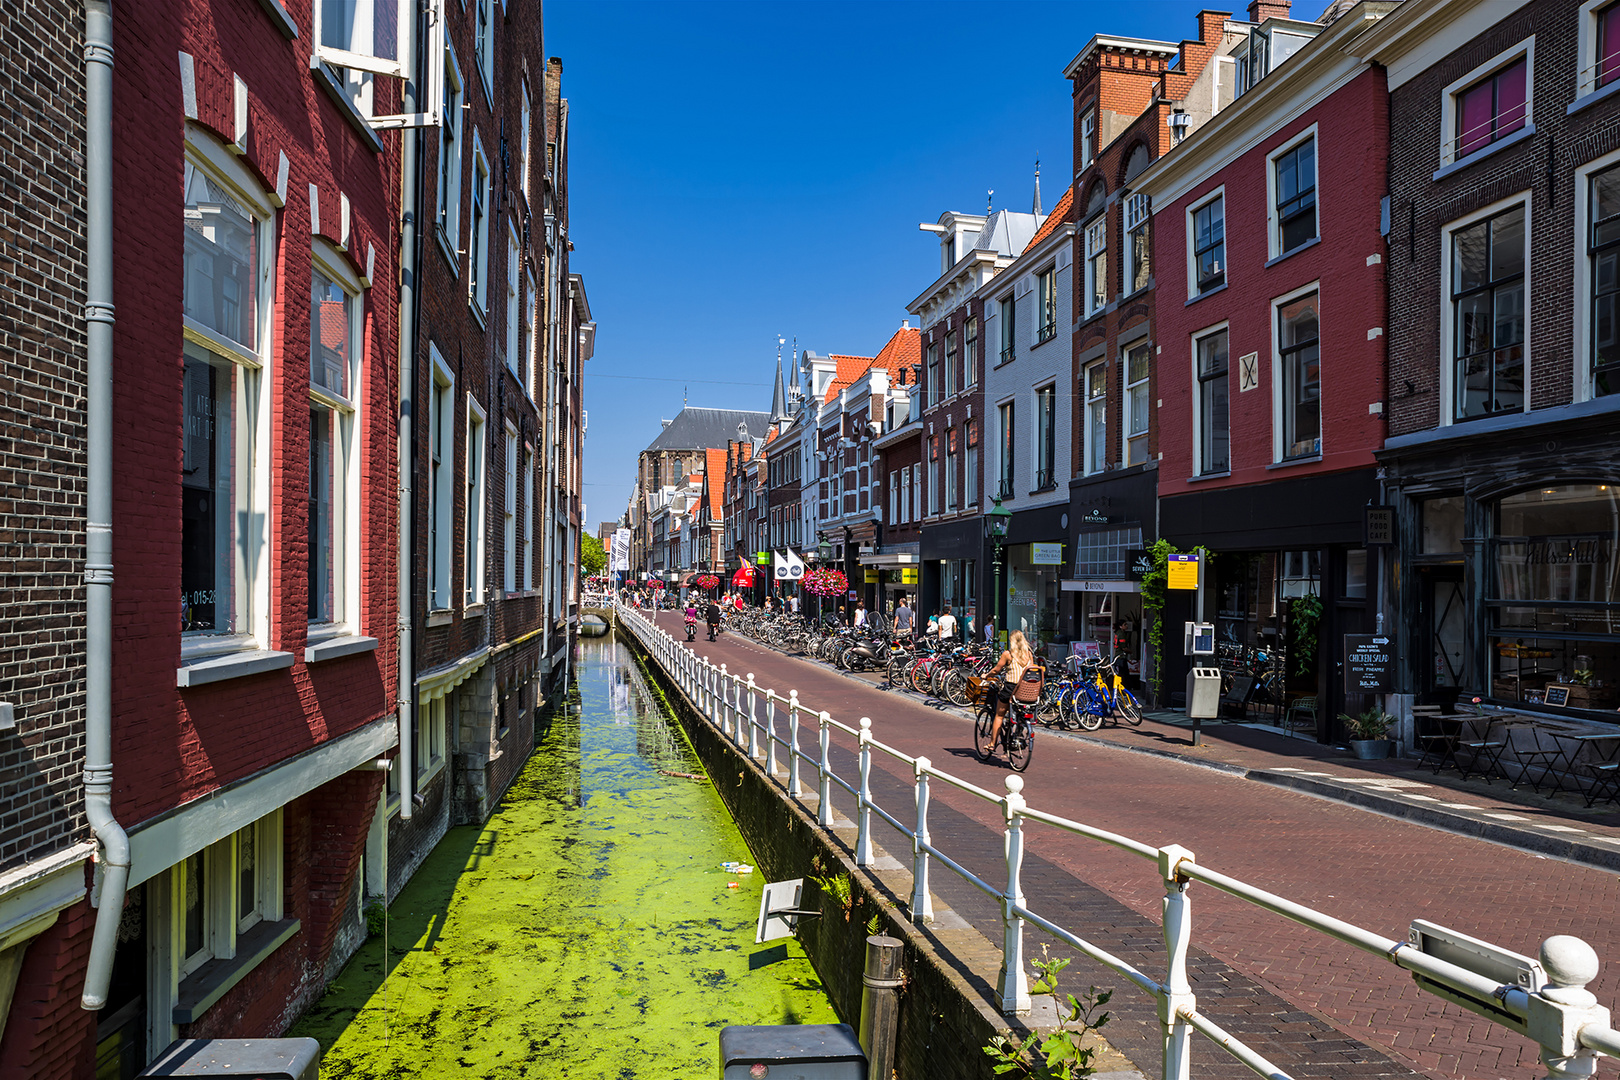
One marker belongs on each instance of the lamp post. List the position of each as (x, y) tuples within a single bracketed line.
[(995, 528), (823, 553)]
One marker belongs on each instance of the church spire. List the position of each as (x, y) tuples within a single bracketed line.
[(779, 397), (1037, 208)]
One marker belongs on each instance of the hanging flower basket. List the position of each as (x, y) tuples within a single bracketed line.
[(707, 581), (658, 586), (826, 582)]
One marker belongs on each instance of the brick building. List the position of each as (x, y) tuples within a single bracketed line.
[(1134, 99), (1270, 335), (1501, 461), (950, 314)]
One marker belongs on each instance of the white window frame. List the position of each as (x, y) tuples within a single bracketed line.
[(1448, 101), (1096, 246), (509, 514), (1448, 360), (525, 137), (1006, 434), (1583, 270), (484, 45), (894, 499), (442, 487), (1046, 304), (953, 474), (1090, 464), (1088, 135), (1138, 233), (253, 372), (1274, 248), (478, 212), (1127, 412), (1197, 425), (475, 527), (348, 419), (1279, 380), (1192, 252), (514, 301), (432, 727), (1006, 312), (531, 324), (1586, 55), (970, 463), (528, 517), (1039, 431), (448, 221)]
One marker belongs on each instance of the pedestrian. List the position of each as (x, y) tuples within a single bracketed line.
[(902, 617), (843, 616), (795, 603), (933, 625), (947, 625), (860, 613), (989, 630)]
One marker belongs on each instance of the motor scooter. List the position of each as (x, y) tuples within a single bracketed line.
[(691, 629)]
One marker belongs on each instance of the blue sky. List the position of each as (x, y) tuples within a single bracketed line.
[(743, 170)]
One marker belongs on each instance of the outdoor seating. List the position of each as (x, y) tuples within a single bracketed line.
[(1301, 714), (1524, 746), (1436, 736), (1481, 749)]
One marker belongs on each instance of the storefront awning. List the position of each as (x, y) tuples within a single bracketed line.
[(1101, 585), (900, 558)]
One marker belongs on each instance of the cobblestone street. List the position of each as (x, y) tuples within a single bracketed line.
[(1317, 1007)]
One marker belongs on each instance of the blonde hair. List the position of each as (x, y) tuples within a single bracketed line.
[(1018, 648)]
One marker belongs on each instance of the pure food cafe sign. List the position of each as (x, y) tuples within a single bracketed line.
[(1369, 664)]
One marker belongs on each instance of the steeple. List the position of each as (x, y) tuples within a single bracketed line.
[(779, 411), (1037, 208)]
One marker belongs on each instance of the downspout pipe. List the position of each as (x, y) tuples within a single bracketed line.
[(112, 842), (410, 201)]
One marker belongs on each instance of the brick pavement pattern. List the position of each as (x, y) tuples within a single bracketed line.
[(1323, 1009)]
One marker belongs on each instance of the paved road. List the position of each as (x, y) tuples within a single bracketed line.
[(1314, 1006)]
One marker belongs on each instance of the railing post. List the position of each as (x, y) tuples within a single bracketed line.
[(794, 788), (1559, 1011), (1012, 982), (724, 708), (922, 902), (863, 809), (708, 691), (770, 732), (1178, 1002), (753, 726), (824, 771)]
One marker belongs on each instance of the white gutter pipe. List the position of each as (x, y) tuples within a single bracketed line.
[(410, 218), (112, 841)]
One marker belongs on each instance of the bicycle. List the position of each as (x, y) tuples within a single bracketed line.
[(1017, 731)]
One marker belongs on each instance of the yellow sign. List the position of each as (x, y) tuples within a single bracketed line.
[(871, 577), (908, 575), (1183, 572)]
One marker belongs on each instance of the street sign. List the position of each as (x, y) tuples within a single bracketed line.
[(1380, 526), (1183, 572), (1046, 554), (1141, 564), (1369, 664)]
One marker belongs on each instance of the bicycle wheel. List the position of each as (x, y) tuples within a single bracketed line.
[(1129, 707), (1090, 713), (982, 743), (1020, 738), (956, 688), (1049, 710), (921, 672), (1069, 709)]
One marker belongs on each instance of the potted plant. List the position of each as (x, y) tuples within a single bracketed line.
[(1369, 732)]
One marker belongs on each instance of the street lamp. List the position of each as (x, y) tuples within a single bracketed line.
[(995, 528), (823, 553)]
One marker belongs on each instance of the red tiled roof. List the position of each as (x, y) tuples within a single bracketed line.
[(714, 480), (1060, 214), (848, 370), (902, 351)]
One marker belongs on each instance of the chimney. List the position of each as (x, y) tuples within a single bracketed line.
[(905, 324), (1261, 10)]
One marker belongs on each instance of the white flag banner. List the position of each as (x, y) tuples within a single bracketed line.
[(792, 569), (621, 550)]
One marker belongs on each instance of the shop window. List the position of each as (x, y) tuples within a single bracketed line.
[(1487, 298), (1554, 601), (1441, 526), (1355, 574), (1604, 251)]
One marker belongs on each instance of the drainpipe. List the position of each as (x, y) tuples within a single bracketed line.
[(113, 852), (410, 201)]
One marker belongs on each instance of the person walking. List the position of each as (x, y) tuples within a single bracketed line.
[(947, 625), (860, 613), (902, 618)]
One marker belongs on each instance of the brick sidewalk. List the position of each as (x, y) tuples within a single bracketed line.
[(1266, 979)]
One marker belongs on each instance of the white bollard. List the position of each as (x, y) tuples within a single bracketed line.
[(922, 902), (1012, 982)]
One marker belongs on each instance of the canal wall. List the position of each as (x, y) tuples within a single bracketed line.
[(947, 1007)]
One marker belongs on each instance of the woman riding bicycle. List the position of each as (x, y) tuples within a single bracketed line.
[(1018, 660)]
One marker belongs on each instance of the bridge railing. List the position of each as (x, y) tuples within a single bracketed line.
[(1547, 1002)]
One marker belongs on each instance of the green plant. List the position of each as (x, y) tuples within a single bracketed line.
[(1155, 593), (1304, 613), (592, 555), (874, 925), (837, 886), (1584, 676), (1370, 723), (1063, 1054), (376, 918)]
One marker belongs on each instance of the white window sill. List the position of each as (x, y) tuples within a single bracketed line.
[(334, 647), (328, 81), (472, 611), (1453, 167), (440, 618), (1592, 97), (1291, 252), (1306, 459), (279, 16), (475, 307), (1209, 476), (427, 775), (1207, 292), (210, 982), (236, 665), (447, 248)]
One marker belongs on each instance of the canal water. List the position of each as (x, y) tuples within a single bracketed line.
[(588, 930)]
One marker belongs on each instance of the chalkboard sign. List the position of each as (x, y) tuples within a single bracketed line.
[(1369, 664), (1558, 695)]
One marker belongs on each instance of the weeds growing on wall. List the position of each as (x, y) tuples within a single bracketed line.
[(1062, 1055)]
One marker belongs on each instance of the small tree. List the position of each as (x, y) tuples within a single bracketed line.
[(592, 556)]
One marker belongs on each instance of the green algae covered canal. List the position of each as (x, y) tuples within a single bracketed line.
[(587, 930)]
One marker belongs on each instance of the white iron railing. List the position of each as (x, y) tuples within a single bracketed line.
[(1563, 1017)]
